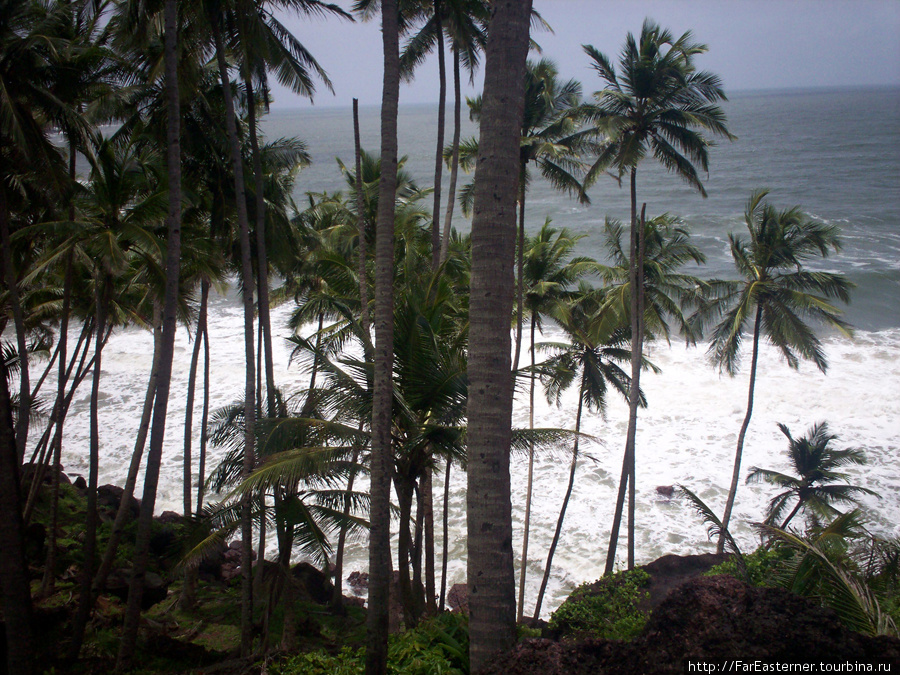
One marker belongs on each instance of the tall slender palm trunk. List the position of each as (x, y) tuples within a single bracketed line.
[(520, 274), (85, 601), (167, 349), (490, 572), (527, 525), (439, 153), (738, 454), (382, 453), (565, 505), (14, 583), (635, 279), (250, 365), (445, 531), (204, 423), (454, 160), (48, 582), (124, 511)]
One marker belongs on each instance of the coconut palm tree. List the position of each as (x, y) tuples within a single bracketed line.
[(382, 455), (658, 104), (167, 347), (598, 340), (818, 484), (777, 296), (491, 578), (549, 274)]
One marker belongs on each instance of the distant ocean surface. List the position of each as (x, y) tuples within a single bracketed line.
[(835, 153)]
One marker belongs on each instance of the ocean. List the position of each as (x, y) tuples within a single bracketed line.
[(835, 153)]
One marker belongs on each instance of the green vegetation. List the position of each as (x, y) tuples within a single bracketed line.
[(438, 646), (608, 609)]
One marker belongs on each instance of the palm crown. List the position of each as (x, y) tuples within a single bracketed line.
[(818, 483)]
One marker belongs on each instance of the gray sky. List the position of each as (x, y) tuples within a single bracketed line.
[(753, 44)]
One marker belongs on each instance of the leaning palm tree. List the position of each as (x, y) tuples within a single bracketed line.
[(657, 105), (549, 274), (598, 343), (777, 297), (818, 484)]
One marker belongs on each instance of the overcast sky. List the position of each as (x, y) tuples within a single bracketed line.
[(753, 44)]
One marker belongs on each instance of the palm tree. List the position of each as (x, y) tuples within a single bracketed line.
[(777, 296), (491, 578), (597, 339), (658, 104), (816, 485), (167, 348), (381, 456), (548, 273)]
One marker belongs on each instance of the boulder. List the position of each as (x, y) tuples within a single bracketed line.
[(155, 587), (359, 582), (707, 619), (458, 598), (108, 499), (312, 583)]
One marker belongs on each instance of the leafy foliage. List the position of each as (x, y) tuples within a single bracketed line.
[(608, 610), (439, 646)]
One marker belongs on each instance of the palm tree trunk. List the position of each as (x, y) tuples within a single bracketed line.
[(167, 348), (520, 274), (262, 263), (48, 583), (445, 543), (204, 421), (85, 602), (736, 474), (361, 250), (124, 510), (337, 598), (639, 341), (427, 495), (490, 572), (14, 582), (454, 162), (404, 551), (382, 454), (527, 526), (634, 391), (188, 589), (19, 323), (565, 505), (439, 153), (792, 513), (250, 380)]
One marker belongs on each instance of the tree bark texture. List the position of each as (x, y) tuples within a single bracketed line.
[(490, 573), (381, 462), (170, 323)]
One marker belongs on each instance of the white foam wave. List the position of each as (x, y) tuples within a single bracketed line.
[(686, 435)]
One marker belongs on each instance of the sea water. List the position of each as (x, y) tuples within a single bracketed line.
[(834, 153)]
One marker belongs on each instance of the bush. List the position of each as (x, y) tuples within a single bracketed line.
[(608, 609), (439, 646), (761, 565)]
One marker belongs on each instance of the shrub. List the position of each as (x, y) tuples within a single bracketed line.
[(439, 646), (761, 566), (608, 609)]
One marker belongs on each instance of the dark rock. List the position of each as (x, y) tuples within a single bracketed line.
[(164, 542), (359, 582), (169, 518), (155, 587), (665, 490), (706, 619), (80, 483), (458, 598), (210, 568), (35, 538), (312, 583), (671, 571), (108, 499), (353, 601)]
